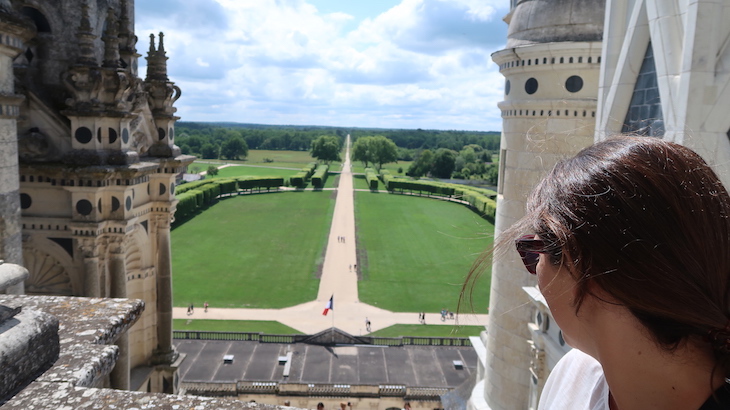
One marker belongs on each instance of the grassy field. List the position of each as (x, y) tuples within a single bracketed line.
[(232, 253), (392, 167), (359, 182), (258, 326), (255, 171), (416, 252), (428, 331), (286, 159)]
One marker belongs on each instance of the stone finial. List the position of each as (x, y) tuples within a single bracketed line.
[(111, 41), (86, 37), (157, 60)]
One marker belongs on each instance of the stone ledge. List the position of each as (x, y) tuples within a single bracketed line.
[(82, 365), (61, 395), (83, 320)]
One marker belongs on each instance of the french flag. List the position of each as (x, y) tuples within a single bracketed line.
[(330, 305)]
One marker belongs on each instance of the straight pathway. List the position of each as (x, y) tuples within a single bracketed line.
[(338, 281)]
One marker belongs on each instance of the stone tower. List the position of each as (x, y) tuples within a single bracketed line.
[(551, 68), (97, 169), (14, 33)]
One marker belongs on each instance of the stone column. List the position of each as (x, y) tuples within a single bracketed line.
[(92, 283), (118, 273), (164, 286)]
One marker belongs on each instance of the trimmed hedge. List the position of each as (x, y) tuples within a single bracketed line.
[(481, 199), (195, 195), (372, 179), (320, 176), (301, 178)]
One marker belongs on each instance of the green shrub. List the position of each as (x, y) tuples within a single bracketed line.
[(371, 178), (320, 176)]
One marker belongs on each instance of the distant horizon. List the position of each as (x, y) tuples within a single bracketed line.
[(329, 126)]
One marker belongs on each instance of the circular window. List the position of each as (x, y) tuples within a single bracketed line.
[(531, 86), (172, 188), (25, 201), (83, 135), (574, 84), (172, 134), (163, 189), (98, 134), (128, 203), (507, 86), (115, 204), (148, 189), (161, 133), (84, 207), (125, 135), (99, 205), (538, 318), (112, 135)]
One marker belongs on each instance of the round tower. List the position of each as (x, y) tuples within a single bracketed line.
[(551, 69)]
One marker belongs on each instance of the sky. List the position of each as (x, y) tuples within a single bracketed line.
[(347, 63)]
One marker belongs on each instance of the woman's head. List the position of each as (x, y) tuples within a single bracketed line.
[(648, 223)]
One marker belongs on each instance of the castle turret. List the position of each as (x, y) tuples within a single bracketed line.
[(551, 68)]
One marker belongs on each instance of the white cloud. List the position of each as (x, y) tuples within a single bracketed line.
[(420, 64)]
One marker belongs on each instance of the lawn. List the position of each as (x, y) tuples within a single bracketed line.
[(256, 326), (428, 331), (416, 252), (259, 251), (257, 171), (392, 167), (285, 159), (359, 182)]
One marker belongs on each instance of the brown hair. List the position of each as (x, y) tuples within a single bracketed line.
[(648, 222)]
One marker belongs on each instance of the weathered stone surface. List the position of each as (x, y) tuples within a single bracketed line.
[(11, 274), (82, 365), (83, 320), (63, 396), (29, 345)]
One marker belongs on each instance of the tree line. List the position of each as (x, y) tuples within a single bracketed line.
[(441, 154)]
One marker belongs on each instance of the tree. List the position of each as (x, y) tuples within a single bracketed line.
[(360, 151), (326, 148), (383, 151), (443, 163), (422, 165), (377, 150), (212, 170), (234, 148), (209, 151)]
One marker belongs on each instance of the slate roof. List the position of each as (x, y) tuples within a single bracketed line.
[(410, 366)]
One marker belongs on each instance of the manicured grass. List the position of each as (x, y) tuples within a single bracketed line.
[(428, 331), (286, 159), (236, 171), (252, 251), (359, 182), (392, 167), (257, 326), (418, 251)]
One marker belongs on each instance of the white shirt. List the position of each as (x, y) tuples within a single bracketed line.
[(577, 382)]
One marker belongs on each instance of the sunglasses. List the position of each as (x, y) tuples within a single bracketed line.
[(530, 249)]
